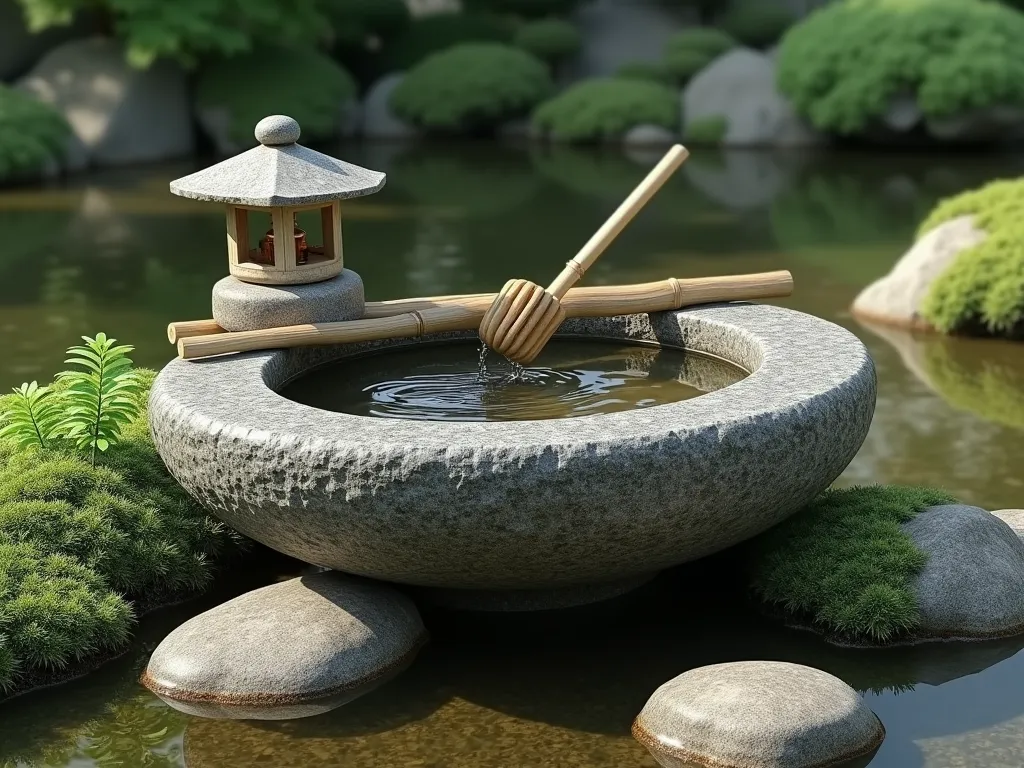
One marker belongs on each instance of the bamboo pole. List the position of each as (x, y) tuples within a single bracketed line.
[(464, 313)]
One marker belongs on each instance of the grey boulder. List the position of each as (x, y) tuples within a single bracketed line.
[(379, 120), (739, 87), (646, 135), (973, 583), (1013, 518), (897, 298), (119, 114), (757, 714), (293, 649)]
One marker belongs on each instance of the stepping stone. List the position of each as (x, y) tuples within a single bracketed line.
[(293, 649)]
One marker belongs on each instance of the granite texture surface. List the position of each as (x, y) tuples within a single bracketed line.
[(277, 130), (973, 583), (279, 174), (1013, 518), (242, 306), (528, 504), (292, 649), (757, 714)]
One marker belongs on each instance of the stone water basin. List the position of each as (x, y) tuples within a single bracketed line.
[(586, 505)]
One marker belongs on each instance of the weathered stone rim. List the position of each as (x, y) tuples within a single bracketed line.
[(268, 700), (653, 743)]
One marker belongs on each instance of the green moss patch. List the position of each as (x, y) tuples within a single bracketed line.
[(983, 289), (32, 134), (844, 565), (80, 546), (302, 83), (843, 64), (471, 88), (707, 130), (601, 109)]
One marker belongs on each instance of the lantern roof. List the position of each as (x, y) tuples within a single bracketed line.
[(279, 172)]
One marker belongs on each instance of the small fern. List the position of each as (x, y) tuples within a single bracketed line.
[(30, 415), (101, 399)]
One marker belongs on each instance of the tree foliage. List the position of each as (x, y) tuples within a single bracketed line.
[(531, 9), (32, 134)]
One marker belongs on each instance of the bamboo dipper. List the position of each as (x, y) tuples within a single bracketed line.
[(525, 316)]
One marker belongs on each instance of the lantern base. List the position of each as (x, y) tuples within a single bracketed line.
[(242, 306)]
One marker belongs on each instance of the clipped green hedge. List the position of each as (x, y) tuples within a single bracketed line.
[(302, 83), (708, 130), (471, 88), (550, 40), (80, 544), (605, 108), (650, 71), (32, 134), (844, 565), (438, 32), (706, 40), (757, 23), (983, 289), (842, 64)]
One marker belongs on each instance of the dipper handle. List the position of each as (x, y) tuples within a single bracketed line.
[(597, 244)]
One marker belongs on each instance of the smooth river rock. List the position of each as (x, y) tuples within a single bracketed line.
[(897, 298), (757, 714), (973, 583), (293, 649)]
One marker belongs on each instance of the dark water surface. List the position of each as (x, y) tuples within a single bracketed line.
[(450, 382), (115, 252)]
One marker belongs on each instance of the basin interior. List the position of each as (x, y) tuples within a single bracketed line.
[(450, 381)]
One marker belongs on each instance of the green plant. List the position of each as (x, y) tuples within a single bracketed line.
[(983, 288), (188, 30), (683, 63), (595, 110), (707, 130), (756, 23), (843, 64), (524, 8), (844, 563), (32, 134), (550, 40), (650, 71), (707, 40), (439, 32), (302, 83), (356, 21), (470, 88), (98, 401), (31, 416)]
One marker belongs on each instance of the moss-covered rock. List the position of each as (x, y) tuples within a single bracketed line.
[(983, 288), (79, 544), (471, 88), (756, 23), (707, 130), (845, 565), (550, 40), (32, 135), (232, 95), (844, 64), (603, 109), (438, 32)]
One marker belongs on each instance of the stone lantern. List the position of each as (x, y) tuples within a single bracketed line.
[(280, 274)]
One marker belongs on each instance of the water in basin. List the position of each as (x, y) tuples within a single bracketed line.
[(446, 382)]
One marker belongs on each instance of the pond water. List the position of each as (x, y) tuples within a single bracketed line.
[(461, 382), (115, 252)]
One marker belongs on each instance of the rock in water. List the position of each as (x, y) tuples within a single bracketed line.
[(119, 114), (294, 649), (757, 714), (739, 88), (973, 584), (897, 298)]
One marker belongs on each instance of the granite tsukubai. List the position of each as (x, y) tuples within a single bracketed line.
[(757, 714), (242, 306), (526, 504), (279, 173), (293, 649), (973, 583)]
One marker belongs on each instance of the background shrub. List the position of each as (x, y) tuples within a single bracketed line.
[(439, 32), (550, 40), (706, 40), (524, 8), (650, 71), (842, 65), (707, 130), (599, 109), (471, 88), (32, 134), (983, 289), (302, 83), (756, 23)]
